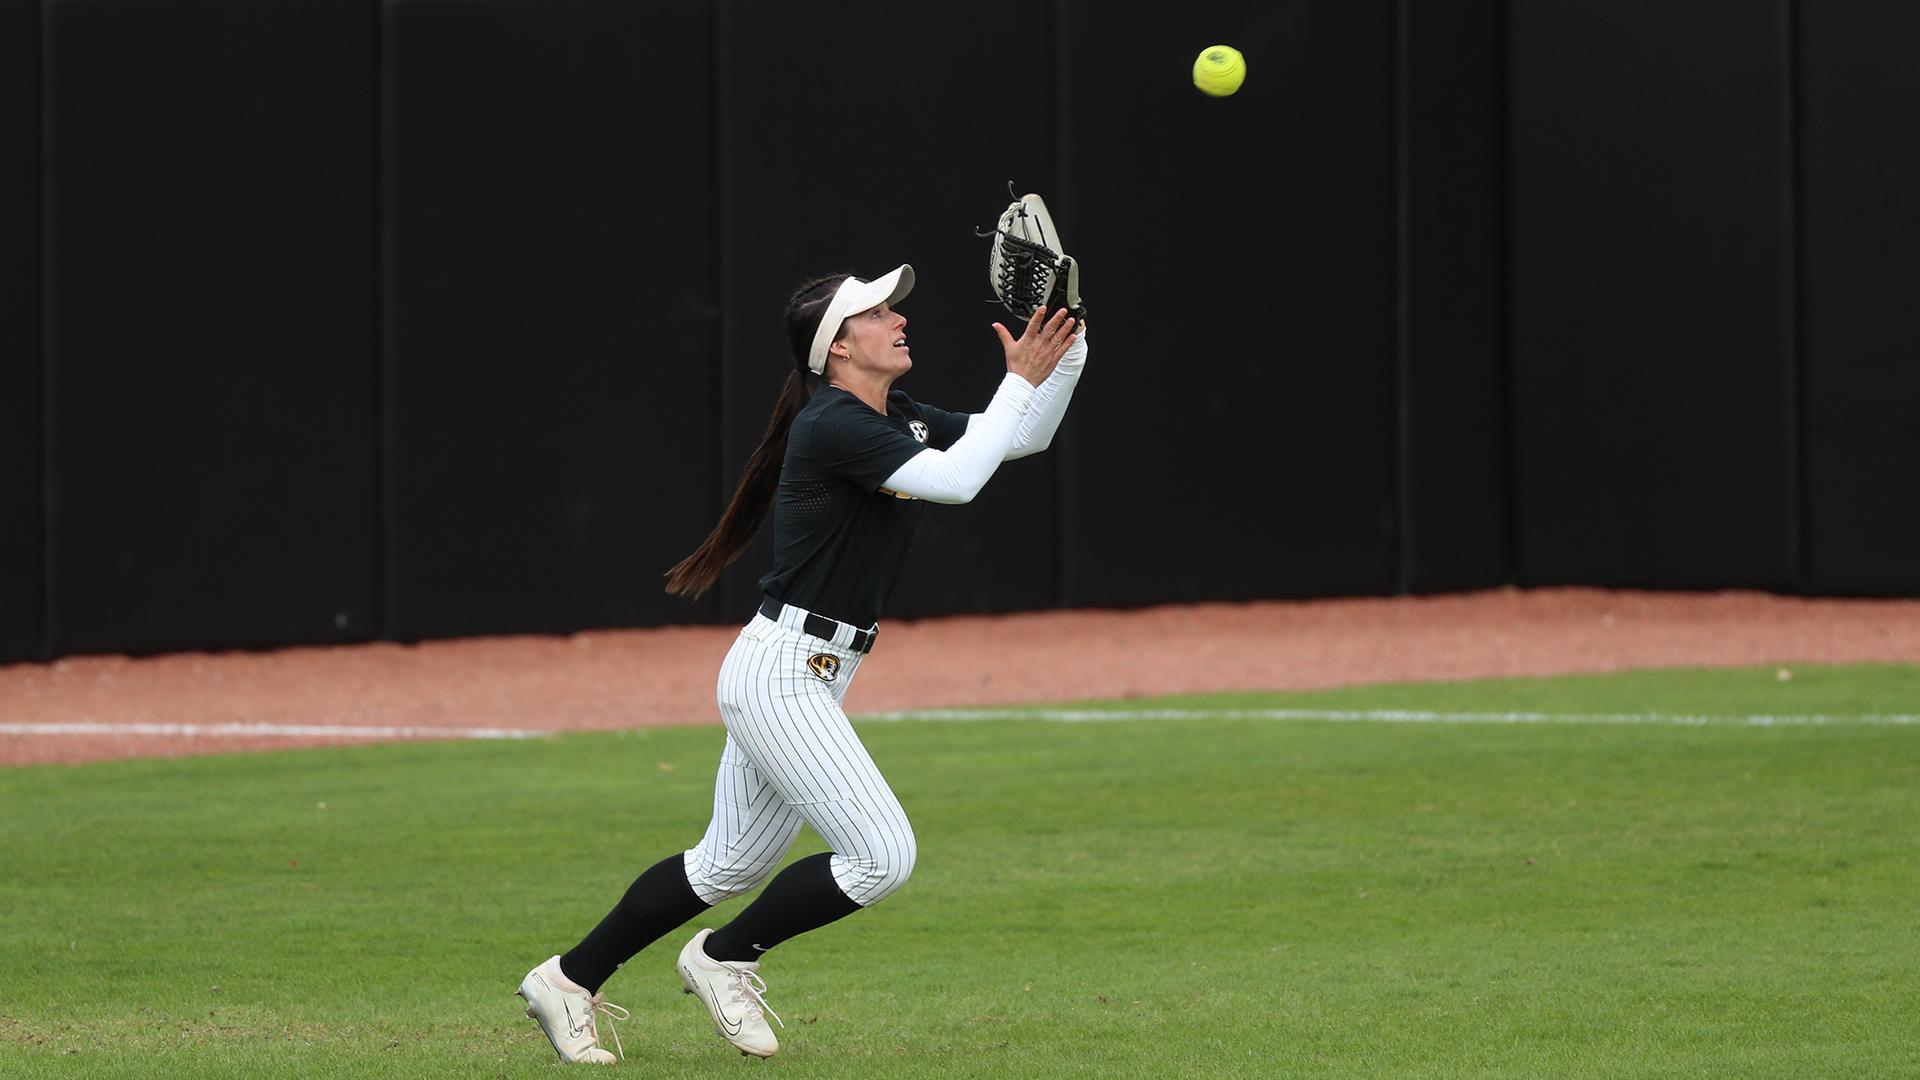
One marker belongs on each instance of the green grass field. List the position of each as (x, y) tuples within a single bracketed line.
[(1179, 897)]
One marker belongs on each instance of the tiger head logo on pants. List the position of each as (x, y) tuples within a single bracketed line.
[(825, 666)]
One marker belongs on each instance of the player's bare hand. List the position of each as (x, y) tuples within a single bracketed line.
[(1040, 347)]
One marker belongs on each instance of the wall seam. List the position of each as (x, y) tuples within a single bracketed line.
[(1509, 353), (1795, 308), (386, 374), (723, 343), (1402, 301), (1063, 439), (44, 12)]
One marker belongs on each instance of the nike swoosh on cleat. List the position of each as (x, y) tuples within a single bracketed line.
[(573, 1026), (729, 1027)]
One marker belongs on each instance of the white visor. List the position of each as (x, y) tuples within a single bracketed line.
[(853, 297)]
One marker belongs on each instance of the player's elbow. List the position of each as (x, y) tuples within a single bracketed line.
[(937, 478), (960, 487), (1019, 452)]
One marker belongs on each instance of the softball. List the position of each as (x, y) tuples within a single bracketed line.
[(1219, 70)]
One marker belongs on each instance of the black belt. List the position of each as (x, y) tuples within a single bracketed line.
[(822, 627)]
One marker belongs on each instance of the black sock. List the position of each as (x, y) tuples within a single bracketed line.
[(656, 902), (804, 897)]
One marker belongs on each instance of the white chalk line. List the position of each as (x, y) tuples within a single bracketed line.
[(1384, 716), (268, 731)]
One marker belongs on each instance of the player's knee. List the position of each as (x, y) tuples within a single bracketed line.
[(898, 869), (717, 879), (880, 876)]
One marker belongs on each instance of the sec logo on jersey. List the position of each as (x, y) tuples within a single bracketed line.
[(919, 430)]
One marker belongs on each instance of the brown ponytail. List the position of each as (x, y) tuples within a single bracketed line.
[(753, 495)]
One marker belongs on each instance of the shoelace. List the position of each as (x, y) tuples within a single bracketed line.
[(602, 1007), (752, 993)]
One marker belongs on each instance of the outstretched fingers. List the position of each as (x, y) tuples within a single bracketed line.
[(1040, 347), (1060, 336)]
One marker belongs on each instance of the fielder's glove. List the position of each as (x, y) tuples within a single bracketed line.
[(1027, 264)]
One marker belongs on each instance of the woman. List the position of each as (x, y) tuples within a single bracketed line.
[(844, 466)]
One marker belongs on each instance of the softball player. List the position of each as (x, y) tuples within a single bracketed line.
[(844, 468)]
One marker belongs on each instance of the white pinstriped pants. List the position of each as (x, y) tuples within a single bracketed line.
[(792, 757)]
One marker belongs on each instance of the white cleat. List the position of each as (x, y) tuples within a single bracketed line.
[(570, 1017), (733, 994)]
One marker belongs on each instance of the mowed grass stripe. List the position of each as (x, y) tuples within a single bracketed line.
[(1775, 695), (1381, 716), (1219, 897)]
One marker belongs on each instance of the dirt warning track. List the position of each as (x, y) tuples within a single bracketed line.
[(87, 708)]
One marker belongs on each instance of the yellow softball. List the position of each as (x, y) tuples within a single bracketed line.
[(1219, 70)]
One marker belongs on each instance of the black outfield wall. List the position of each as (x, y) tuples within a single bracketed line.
[(1655, 429), (422, 318), (1236, 434), (212, 349), (1455, 467), (22, 499), (1859, 232), (550, 296)]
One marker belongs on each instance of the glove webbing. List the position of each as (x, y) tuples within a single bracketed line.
[(1027, 272)]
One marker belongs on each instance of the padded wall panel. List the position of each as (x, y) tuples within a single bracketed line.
[(951, 107), (552, 296), (1457, 530), (1860, 168), (21, 356), (213, 337), (1652, 294), (1238, 428)]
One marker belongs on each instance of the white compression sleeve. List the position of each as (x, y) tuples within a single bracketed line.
[(1049, 406), (956, 474)]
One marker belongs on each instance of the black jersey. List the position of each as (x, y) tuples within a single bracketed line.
[(839, 542)]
